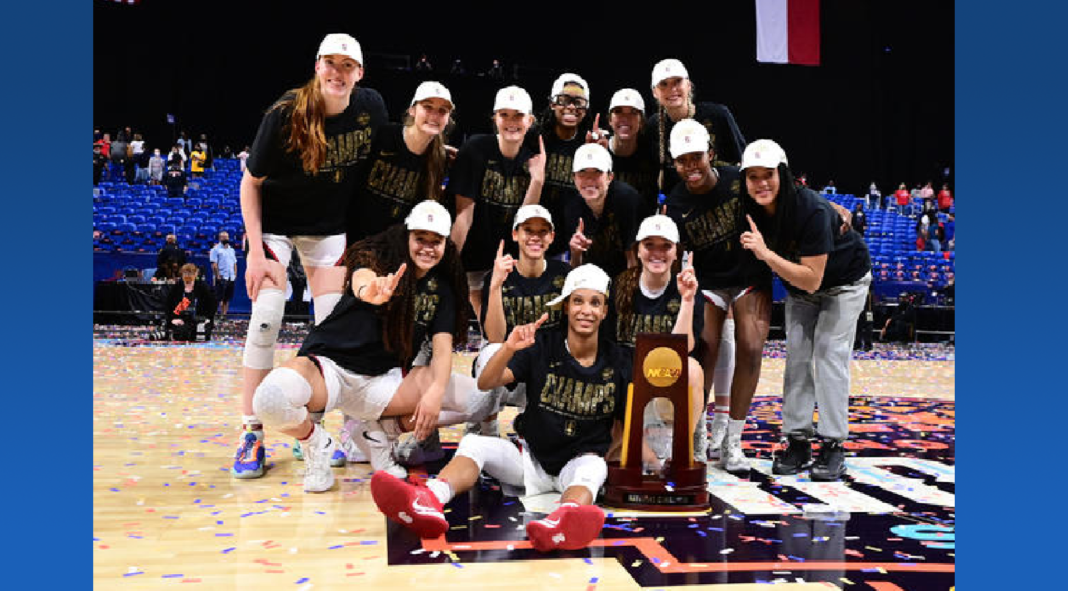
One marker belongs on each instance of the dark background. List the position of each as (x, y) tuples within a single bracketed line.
[(879, 107)]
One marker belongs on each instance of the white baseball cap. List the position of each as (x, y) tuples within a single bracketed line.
[(588, 276), (765, 153), (592, 156), (564, 79), (513, 97), (340, 44), (658, 225), (669, 68), (430, 216), (532, 211), (627, 97), (431, 89), (688, 136)]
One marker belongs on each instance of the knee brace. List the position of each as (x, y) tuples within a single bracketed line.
[(281, 398), (324, 304), (724, 371), (263, 325)]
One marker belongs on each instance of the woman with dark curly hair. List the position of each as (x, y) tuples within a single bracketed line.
[(384, 355)]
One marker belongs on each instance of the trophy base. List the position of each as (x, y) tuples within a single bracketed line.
[(684, 490)]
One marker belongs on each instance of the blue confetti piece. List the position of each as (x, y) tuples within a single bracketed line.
[(302, 580), (114, 490), (368, 542), (132, 574), (223, 535), (457, 564), (95, 539), (587, 561), (170, 517), (715, 529), (228, 550), (593, 580), (320, 512), (797, 558), (336, 547), (702, 534), (172, 576), (656, 560)]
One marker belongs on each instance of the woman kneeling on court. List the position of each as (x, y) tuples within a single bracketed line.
[(352, 360), (826, 273), (576, 394)]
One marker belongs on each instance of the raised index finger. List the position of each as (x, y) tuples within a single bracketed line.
[(500, 249), (540, 321), (597, 122), (752, 225), (397, 276), (541, 145)]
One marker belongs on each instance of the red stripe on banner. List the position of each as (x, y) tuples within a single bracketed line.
[(804, 27)]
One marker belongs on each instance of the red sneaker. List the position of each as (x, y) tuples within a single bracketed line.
[(414, 507), (570, 527)]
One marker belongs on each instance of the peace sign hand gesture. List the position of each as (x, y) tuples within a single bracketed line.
[(687, 280), (753, 240), (523, 336), (380, 289)]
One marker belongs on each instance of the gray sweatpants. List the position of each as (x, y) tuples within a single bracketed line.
[(820, 328)]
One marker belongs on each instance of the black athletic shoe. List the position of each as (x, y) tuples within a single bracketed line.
[(830, 464), (796, 457)]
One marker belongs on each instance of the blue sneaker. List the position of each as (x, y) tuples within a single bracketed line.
[(251, 457)]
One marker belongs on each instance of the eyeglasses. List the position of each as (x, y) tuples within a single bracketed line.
[(566, 100)]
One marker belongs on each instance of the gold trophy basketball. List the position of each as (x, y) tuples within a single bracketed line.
[(660, 371)]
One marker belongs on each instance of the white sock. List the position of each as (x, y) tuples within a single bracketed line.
[(735, 427), (441, 490), (252, 421)]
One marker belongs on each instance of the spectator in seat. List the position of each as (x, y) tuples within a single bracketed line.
[(118, 153), (223, 259), (175, 180), (874, 198), (177, 155), (242, 156), (170, 258), (197, 162), (927, 193), (190, 306), (155, 168), (142, 160), (830, 189), (901, 197), (209, 154), (100, 162), (945, 199), (860, 220)]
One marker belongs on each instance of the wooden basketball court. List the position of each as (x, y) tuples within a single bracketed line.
[(167, 511)]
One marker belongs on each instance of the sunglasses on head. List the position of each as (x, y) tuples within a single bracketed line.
[(566, 100)]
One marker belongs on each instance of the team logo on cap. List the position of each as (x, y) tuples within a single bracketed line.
[(344, 46), (429, 217)]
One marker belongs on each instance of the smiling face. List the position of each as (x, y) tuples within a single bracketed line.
[(426, 249), (338, 75), (512, 125), (431, 115), (625, 122), (533, 237), (592, 183), (585, 309), (694, 168), (763, 186), (672, 93), (657, 254), (570, 106)]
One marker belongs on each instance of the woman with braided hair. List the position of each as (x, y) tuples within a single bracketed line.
[(674, 93), (658, 296)]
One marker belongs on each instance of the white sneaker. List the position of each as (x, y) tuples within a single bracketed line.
[(734, 459), (352, 429), (700, 443), (318, 449), (377, 446)]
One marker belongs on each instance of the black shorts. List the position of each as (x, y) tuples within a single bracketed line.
[(224, 290)]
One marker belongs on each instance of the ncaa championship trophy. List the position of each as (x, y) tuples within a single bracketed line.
[(660, 371)]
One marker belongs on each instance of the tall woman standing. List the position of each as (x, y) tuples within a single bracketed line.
[(294, 194), (796, 233)]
